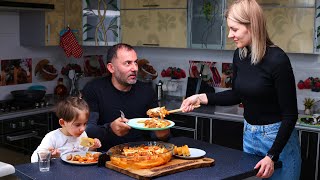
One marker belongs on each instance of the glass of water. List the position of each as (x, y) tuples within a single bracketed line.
[(44, 160)]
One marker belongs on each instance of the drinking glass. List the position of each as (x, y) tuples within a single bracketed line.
[(44, 160)]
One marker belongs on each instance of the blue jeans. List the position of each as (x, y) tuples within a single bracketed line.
[(258, 139)]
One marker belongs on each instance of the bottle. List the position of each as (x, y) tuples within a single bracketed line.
[(60, 90), (159, 90)]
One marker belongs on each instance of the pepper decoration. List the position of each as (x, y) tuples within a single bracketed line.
[(173, 72), (310, 83)]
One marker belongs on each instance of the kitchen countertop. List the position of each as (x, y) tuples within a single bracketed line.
[(229, 163), (226, 113)]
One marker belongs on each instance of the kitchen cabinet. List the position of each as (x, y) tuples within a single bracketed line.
[(101, 23), (138, 4), (292, 29), (157, 27), (290, 25), (43, 28), (206, 24), (73, 17), (186, 126), (286, 3), (224, 133)]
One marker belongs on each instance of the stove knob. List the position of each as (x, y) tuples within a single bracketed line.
[(13, 125), (22, 124), (37, 105), (42, 104), (13, 108), (31, 122), (47, 103)]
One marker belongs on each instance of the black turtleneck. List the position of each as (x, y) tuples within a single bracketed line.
[(267, 91)]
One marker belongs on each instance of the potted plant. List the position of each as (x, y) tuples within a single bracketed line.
[(308, 103)]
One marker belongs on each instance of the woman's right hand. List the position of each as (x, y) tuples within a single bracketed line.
[(189, 103)]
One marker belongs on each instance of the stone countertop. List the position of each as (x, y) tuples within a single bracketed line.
[(229, 164), (226, 113)]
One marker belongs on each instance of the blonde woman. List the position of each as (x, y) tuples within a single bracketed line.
[(263, 82)]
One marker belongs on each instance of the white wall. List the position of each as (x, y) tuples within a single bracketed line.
[(304, 65)]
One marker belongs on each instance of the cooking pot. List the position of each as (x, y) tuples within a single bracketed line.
[(30, 96)]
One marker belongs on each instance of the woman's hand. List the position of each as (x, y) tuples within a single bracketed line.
[(266, 167), (194, 100), (119, 126)]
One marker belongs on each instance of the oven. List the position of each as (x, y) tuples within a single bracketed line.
[(186, 126), (23, 130)]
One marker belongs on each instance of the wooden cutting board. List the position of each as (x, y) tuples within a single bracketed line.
[(173, 166)]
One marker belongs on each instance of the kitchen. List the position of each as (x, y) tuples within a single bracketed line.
[(304, 64)]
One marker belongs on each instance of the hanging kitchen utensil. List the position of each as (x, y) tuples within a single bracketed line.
[(199, 79), (72, 76)]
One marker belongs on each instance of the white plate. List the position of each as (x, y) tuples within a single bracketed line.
[(194, 153), (64, 158), (134, 123)]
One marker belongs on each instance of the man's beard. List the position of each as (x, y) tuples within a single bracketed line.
[(123, 79)]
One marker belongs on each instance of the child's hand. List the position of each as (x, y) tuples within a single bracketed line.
[(97, 143), (55, 153)]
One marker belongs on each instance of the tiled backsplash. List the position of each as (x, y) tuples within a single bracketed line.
[(304, 65)]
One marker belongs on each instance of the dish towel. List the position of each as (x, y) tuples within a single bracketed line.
[(70, 44)]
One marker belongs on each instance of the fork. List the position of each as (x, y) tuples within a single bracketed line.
[(122, 115)]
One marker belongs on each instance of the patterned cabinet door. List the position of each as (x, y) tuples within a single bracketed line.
[(229, 44), (54, 23), (291, 28), (33, 1), (157, 28), (138, 4), (301, 3), (73, 17)]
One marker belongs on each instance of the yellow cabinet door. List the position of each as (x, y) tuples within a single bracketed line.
[(54, 23), (138, 4), (288, 3), (73, 17), (33, 1), (291, 28), (157, 28)]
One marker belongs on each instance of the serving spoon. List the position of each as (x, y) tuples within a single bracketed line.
[(154, 112)]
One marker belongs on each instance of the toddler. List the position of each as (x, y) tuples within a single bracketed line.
[(73, 114)]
